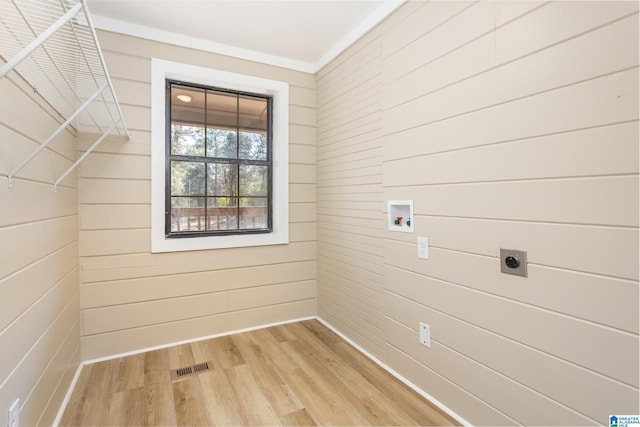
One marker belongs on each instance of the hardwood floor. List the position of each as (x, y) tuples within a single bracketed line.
[(295, 374)]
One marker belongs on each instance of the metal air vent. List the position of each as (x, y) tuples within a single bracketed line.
[(180, 373)]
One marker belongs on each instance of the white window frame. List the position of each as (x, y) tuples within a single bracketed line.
[(279, 91)]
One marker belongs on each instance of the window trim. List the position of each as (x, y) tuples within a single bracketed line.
[(161, 70)]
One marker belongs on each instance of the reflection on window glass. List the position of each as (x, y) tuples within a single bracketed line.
[(186, 214), (222, 110), (253, 212), (222, 213), (253, 113)]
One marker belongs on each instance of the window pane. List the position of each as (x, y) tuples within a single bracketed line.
[(219, 160), (222, 143), (187, 120), (187, 140), (222, 180), (253, 213), (187, 178), (252, 113), (187, 214), (187, 104), (253, 180), (222, 213), (253, 145), (222, 110)]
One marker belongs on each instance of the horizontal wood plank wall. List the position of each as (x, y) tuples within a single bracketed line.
[(132, 299), (510, 125), (350, 251), (39, 270)]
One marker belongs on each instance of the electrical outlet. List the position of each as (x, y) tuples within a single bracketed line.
[(423, 248), (425, 334), (14, 414), (513, 262)]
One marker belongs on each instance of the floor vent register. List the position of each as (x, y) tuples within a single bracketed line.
[(180, 373)]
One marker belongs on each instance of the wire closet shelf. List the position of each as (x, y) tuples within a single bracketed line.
[(53, 46)]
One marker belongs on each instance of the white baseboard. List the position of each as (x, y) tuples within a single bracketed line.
[(414, 387), (67, 396)]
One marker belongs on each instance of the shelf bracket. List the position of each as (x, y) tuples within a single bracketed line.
[(28, 49), (95, 144), (63, 126)]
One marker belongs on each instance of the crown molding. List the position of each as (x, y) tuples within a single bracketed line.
[(177, 39), (385, 9), (113, 25)]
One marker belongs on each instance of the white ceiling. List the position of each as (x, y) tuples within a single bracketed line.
[(300, 34)]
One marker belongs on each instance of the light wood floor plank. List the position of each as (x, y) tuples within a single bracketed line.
[(228, 355), (131, 373), (295, 374), (221, 402), (266, 373), (298, 418), (330, 384), (156, 367), (126, 408), (160, 409), (255, 407), (180, 356), (271, 346), (188, 398), (281, 333), (318, 400)]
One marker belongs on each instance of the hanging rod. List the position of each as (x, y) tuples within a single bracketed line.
[(62, 127), (55, 49), (95, 144)]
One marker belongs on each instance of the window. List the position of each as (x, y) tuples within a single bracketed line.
[(218, 162), (219, 159)]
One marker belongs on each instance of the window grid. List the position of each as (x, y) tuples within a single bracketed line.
[(236, 162)]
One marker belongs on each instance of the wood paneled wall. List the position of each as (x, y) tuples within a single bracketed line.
[(39, 301), (132, 299), (350, 197), (510, 125)]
